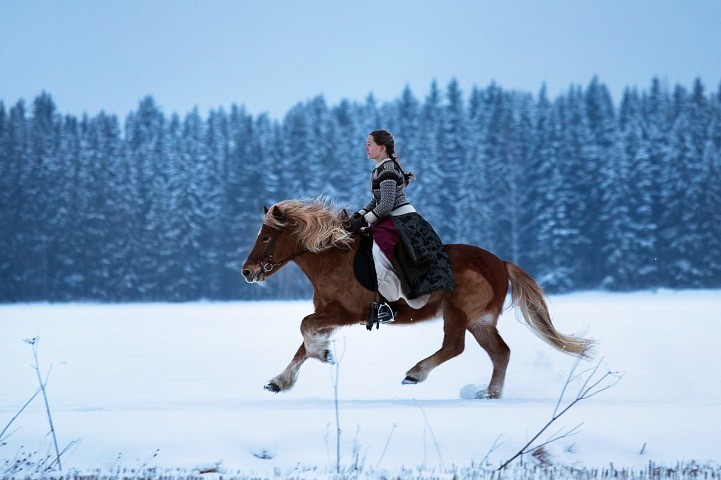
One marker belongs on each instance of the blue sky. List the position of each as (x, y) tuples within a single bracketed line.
[(268, 55)]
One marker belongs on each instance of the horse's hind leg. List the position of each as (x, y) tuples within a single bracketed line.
[(454, 337), (485, 332)]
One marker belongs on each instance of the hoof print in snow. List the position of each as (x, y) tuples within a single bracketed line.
[(207, 469), (272, 387), (263, 454), (472, 392)]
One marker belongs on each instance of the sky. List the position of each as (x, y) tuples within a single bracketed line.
[(270, 55)]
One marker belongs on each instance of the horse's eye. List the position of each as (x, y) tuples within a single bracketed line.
[(265, 238)]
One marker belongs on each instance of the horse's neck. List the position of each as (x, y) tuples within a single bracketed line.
[(328, 267)]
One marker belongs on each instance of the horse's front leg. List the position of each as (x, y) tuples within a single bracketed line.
[(287, 378), (317, 330)]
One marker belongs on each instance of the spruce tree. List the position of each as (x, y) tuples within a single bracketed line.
[(454, 160), (629, 248)]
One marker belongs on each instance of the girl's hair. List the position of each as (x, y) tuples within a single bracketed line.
[(384, 137)]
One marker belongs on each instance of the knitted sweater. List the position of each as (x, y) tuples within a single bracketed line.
[(387, 186)]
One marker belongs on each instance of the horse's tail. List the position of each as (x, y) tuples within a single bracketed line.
[(529, 297)]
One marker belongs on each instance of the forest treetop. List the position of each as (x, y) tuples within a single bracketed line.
[(582, 193)]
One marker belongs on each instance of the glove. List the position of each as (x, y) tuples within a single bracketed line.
[(357, 223), (355, 215)]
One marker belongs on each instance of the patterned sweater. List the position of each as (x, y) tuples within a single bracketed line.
[(387, 186)]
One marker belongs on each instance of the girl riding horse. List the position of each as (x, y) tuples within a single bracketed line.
[(312, 234), (409, 258)]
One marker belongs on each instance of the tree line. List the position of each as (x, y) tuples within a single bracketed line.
[(580, 191)]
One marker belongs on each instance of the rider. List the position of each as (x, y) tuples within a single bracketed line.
[(409, 257)]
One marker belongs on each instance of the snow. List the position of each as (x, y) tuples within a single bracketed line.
[(180, 385)]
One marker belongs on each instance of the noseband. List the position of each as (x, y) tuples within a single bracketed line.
[(266, 262)]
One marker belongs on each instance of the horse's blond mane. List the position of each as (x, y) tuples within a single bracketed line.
[(317, 223)]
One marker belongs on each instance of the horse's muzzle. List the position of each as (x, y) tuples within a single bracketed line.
[(252, 276)]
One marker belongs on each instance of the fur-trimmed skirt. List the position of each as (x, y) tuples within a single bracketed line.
[(416, 252)]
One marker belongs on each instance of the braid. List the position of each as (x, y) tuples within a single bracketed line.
[(383, 137), (391, 150), (407, 177)]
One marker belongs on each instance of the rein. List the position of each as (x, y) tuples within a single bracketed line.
[(266, 262)]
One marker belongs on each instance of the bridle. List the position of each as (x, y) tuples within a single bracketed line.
[(266, 262)]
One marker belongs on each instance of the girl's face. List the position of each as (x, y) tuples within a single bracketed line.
[(373, 150)]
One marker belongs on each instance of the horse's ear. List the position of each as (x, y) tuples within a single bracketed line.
[(344, 215), (276, 213), (265, 210)]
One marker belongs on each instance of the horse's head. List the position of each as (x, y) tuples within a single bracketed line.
[(274, 247), (292, 228)]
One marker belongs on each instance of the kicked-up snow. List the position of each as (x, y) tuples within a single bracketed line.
[(181, 386)]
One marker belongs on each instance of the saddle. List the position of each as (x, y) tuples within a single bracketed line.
[(363, 267)]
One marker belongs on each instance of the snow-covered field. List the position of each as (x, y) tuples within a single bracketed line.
[(181, 385)]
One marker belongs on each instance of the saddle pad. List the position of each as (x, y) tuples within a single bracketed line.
[(363, 266)]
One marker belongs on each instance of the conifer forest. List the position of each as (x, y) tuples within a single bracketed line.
[(582, 190)]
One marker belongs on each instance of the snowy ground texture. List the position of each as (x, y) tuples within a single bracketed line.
[(156, 388)]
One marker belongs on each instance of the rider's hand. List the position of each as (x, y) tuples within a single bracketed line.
[(356, 224)]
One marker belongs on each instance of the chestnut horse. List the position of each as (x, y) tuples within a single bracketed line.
[(311, 233)]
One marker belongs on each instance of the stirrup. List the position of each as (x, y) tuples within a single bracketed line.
[(379, 313), (386, 313)]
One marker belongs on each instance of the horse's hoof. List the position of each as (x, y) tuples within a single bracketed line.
[(485, 394), (409, 380), (328, 357), (272, 387)]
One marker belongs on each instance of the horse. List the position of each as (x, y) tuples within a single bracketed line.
[(312, 233)]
